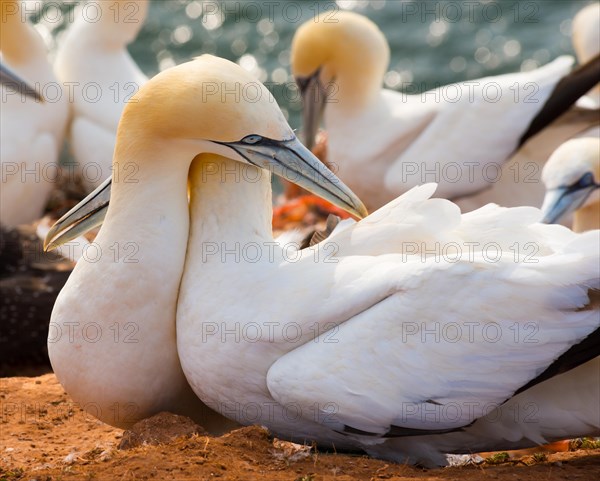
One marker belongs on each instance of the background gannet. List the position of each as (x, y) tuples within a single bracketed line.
[(458, 135), (93, 61), (327, 345), (572, 180), (31, 131), (162, 130)]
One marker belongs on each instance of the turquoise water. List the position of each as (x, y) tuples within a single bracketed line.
[(432, 43)]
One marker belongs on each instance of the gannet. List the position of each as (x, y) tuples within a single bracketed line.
[(170, 121), (572, 180), (385, 142), (31, 130), (317, 347), (95, 66)]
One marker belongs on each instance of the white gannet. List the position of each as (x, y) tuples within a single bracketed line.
[(327, 343), (330, 347), (129, 287), (384, 142), (98, 71), (572, 180), (31, 130), (586, 42)]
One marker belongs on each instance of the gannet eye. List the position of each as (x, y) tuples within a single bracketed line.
[(252, 139), (586, 180)]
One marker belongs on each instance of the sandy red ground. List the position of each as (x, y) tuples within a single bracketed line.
[(45, 436)]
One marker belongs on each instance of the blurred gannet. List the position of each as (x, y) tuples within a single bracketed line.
[(166, 125), (572, 180), (93, 62), (327, 345), (385, 142), (31, 130)]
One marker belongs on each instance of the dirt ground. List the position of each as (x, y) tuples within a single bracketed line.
[(45, 436)]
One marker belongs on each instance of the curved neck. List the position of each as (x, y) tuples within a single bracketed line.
[(229, 201), (115, 25), (587, 218), (19, 42)]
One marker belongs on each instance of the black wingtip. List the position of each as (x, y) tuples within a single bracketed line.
[(570, 89)]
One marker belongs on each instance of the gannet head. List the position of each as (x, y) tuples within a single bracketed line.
[(209, 106), (572, 178), (337, 57), (209, 99)]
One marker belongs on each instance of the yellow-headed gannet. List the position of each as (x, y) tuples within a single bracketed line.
[(112, 332)]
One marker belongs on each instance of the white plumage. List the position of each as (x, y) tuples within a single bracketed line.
[(98, 71), (378, 368)]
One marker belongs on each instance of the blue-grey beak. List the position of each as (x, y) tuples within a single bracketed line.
[(294, 162), (13, 81), (562, 201), (314, 97)]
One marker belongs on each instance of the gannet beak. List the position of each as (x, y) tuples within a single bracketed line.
[(294, 162), (12, 80), (314, 97), (563, 200), (86, 215)]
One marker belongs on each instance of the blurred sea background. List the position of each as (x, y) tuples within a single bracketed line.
[(432, 43)]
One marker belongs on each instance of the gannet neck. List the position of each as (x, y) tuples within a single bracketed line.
[(586, 33), (19, 42), (118, 24), (131, 281), (229, 201), (586, 39), (587, 218), (351, 52)]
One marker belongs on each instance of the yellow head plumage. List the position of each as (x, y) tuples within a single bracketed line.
[(349, 49), (571, 161), (209, 98)]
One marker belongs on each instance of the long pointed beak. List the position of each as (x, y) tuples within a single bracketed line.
[(86, 215), (562, 201), (314, 97), (12, 80), (294, 162)]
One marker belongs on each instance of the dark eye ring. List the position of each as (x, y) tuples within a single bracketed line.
[(252, 139), (585, 181)]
